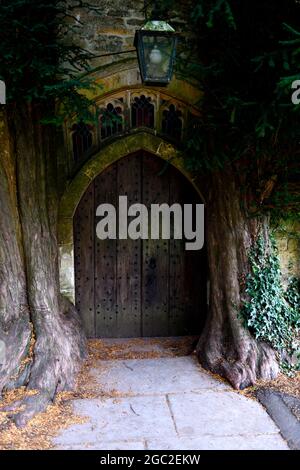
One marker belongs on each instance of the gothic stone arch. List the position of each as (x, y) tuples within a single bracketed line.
[(92, 168)]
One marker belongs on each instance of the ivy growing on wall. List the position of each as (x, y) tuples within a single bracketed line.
[(292, 296), (272, 313)]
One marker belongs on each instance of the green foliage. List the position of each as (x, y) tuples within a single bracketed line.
[(292, 296), (245, 55), (271, 313), (210, 11), (39, 60)]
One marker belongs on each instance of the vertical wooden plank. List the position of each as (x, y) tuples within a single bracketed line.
[(155, 279), (195, 276), (84, 260), (178, 321), (105, 274), (129, 254)]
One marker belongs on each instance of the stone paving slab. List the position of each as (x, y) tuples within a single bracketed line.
[(154, 376), (260, 442), (115, 445), (219, 414), (120, 419), (285, 411), (167, 404)]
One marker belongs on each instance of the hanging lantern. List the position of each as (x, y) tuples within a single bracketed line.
[(156, 47)]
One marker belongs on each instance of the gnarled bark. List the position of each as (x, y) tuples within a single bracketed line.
[(225, 346), (59, 342), (15, 329)]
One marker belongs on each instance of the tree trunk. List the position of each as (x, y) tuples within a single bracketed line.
[(15, 328), (225, 346), (58, 338)]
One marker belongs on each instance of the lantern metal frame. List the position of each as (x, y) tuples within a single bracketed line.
[(155, 29)]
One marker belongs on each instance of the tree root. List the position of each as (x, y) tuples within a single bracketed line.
[(242, 367), (57, 355), (24, 410), (16, 343)]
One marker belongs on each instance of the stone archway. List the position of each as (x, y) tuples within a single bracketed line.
[(92, 168)]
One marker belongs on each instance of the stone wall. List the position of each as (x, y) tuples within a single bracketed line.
[(110, 30), (288, 243)]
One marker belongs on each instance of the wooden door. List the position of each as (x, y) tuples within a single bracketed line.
[(132, 288)]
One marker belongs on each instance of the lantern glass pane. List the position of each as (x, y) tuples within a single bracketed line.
[(158, 57)]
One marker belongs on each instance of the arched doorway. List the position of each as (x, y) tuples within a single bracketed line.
[(132, 288)]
